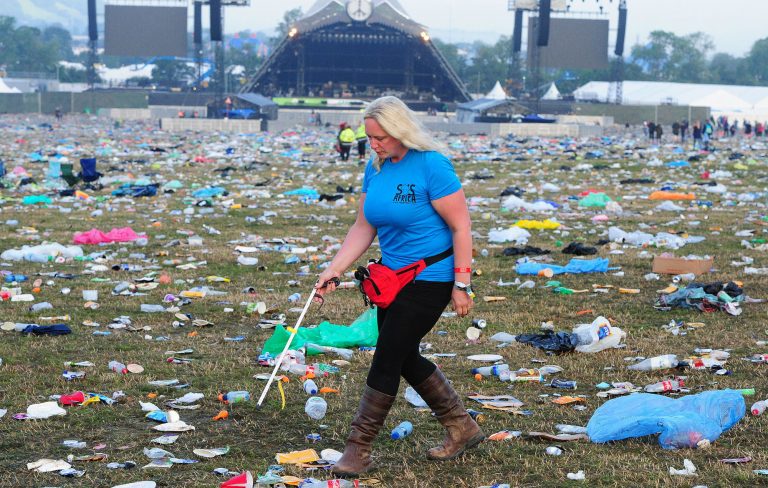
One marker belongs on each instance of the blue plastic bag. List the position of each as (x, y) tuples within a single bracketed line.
[(574, 266), (682, 422)]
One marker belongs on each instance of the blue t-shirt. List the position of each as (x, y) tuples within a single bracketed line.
[(398, 204)]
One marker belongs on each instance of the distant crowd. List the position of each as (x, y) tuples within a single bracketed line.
[(702, 133)]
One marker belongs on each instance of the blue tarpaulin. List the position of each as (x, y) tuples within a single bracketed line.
[(574, 266)]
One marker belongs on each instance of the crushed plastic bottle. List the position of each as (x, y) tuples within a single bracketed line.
[(334, 483), (118, 367), (316, 407), (759, 407), (666, 361), (665, 386)]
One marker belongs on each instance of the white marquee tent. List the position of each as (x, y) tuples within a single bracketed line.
[(732, 100), (4, 88)]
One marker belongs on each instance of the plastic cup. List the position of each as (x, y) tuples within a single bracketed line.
[(90, 295)]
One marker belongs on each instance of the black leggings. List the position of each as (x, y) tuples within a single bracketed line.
[(401, 327)]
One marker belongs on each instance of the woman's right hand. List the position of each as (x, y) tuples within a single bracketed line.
[(326, 283)]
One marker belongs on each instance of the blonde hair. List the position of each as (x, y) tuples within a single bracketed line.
[(400, 122)]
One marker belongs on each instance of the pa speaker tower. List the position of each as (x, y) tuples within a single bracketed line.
[(621, 32), (517, 34), (93, 31), (543, 25), (215, 20), (197, 35)]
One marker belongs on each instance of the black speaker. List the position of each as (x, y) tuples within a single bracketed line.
[(517, 34), (93, 31), (215, 20), (542, 39), (621, 33), (197, 35)]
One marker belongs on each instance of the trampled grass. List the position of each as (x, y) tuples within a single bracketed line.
[(33, 365)]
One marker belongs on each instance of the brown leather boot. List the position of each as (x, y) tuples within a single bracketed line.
[(463, 431), (368, 420)]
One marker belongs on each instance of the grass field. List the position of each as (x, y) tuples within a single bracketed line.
[(32, 366)]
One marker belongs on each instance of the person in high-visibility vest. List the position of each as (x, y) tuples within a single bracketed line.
[(346, 138), (362, 139)]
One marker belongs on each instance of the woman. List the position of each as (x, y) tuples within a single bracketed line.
[(413, 201)]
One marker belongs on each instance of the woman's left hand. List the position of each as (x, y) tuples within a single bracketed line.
[(461, 301)]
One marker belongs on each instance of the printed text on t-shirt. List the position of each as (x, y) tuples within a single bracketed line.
[(406, 193)]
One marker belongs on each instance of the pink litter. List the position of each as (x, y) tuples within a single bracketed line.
[(95, 236)]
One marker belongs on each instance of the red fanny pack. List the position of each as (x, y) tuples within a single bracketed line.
[(380, 284)]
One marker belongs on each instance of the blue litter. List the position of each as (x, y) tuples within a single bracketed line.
[(574, 266), (682, 422)]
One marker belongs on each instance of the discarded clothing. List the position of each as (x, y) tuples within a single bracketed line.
[(550, 342), (525, 251), (579, 249)]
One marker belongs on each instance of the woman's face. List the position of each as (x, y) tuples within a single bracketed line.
[(384, 145)]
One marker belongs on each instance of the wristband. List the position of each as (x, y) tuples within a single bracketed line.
[(462, 270)]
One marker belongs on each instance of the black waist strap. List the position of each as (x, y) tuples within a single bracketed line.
[(438, 257)]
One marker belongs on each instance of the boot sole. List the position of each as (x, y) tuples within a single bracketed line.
[(472, 442)]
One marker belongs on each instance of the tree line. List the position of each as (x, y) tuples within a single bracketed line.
[(664, 57)]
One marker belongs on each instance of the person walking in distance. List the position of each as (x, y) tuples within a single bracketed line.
[(345, 139), (362, 141), (413, 201)]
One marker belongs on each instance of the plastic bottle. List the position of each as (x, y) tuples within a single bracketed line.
[(663, 386), (494, 370), (659, 362), (300, 369), (310, 387), (151, 308), (315, 407), (118, 367), (401, 431), (40, 306), (522, 375), (759, 407), (336, 483), (683, 277), (294, 298), (234, 397)]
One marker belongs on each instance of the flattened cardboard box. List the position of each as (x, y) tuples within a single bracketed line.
[(677, 266)]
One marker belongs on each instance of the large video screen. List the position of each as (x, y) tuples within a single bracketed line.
[(145, 31), (573, 43)]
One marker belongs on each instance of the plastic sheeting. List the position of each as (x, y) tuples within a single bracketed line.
[(96, 236), (574, 266), (364, 331), (682, 422)]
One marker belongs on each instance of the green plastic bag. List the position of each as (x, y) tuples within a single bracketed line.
[(364, 331), (595, 200)]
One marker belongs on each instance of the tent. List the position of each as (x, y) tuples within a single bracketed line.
[(4, 88), (496, 93), (495, 106), (724, 99), (552, 93)]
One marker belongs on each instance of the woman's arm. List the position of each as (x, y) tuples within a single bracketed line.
[(358, 240), (453, 210)]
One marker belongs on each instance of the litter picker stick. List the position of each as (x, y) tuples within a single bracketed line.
[(279, 361)]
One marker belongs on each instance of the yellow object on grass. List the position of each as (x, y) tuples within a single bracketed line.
[(297, 457), (537, 224)]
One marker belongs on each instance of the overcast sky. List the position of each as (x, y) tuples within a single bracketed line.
[(734, 25)]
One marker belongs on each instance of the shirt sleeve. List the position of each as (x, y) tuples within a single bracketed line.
[(367, 175), (441, 179)]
